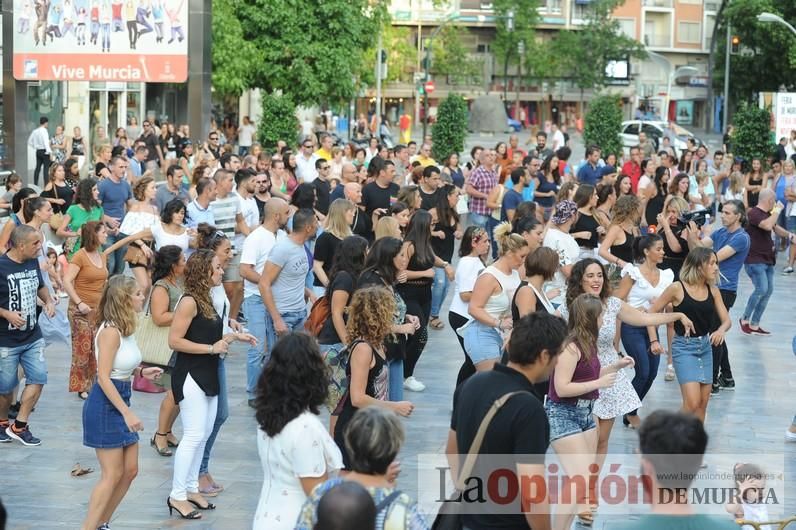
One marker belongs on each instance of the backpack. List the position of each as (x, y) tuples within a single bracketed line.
[(320, 312)]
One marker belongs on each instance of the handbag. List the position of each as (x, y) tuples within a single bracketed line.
[(320, 312), (152, 340), (57, 219), (449, 515), (135, 256), (142, 384), (461, 205)]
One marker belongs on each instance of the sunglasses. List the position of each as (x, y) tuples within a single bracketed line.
[(324, 168), (307, 146), (214, 138)]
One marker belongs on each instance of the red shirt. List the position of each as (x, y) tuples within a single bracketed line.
[(633, 170)]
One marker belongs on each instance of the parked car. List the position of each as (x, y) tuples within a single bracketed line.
[(655, 130)]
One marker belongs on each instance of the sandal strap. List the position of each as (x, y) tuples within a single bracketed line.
[(162, 433)]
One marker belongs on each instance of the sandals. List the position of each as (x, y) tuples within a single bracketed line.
[(171, 444), (436, 323), (208, 506), (162, 451), (669, 373), (191, 515)]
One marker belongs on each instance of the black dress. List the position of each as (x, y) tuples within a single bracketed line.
[(203, 368), (59, 192), (417, 295)]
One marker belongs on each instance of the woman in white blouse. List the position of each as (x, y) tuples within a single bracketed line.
[(641, 284), (140, 217), (296, 451), (473, 250)]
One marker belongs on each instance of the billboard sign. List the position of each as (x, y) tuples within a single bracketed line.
[(784, 114), (101, 40)]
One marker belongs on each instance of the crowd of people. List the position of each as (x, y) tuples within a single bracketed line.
[(332, 263)]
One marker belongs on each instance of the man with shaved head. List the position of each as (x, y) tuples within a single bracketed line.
[(349, 174), (256, 248)]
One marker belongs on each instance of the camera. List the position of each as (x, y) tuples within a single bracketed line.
[(699, 217)]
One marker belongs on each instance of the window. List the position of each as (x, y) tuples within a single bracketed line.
[(627, 27), (553, 6), (710, 23), (631, 129), (689, 32), (695, 2)]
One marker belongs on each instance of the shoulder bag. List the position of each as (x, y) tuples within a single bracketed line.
[(449, 515), (57, 219), (153, 340)]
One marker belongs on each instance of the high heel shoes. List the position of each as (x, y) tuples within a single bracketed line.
[(209, 506), (162, 451), (192, 515)]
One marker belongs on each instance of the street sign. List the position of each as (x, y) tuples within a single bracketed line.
[(429, 86)]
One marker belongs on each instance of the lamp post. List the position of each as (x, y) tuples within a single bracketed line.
[(689, 71), (771, 17)]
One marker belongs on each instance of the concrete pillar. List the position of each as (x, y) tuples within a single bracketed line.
[(199, 66), (15, 94)]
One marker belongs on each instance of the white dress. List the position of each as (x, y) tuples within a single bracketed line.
[(620, 398), (305, 449)]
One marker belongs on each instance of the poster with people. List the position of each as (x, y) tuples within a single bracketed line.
[(101, 40)]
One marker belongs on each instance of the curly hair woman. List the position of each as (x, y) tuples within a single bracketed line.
[(296, 451), (617, 245), (369, 323), (197, 337)]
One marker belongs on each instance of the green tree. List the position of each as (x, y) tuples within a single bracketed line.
[(752, 137), (401, 56), (541, 63), (767, 57), (507, 40), (278, 120), (312, 51), (585, 53), (450, 129), (603, 123), (451, 58), (231, 53)]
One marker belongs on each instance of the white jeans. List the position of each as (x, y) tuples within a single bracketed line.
[(198, 414)]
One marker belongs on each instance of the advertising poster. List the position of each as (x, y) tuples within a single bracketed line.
[(785, 114), (685, 112), (101, 40)]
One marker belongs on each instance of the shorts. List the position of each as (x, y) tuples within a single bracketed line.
[(103, 425), (482, 342), (30, 357), (692, 358), (790, 223), (232, 270), (567, 419)]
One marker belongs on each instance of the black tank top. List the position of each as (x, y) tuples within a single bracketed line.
[(203, 368), (754, 197), (624, 251), (515, 311), (701, 312), (586, 223), (654, 207)]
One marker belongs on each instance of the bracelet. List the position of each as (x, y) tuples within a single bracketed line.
[(653, 341), (209, 348)]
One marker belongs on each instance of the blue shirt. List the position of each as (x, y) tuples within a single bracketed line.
[(114, 197), (511, 200), (195, 214), (730, 268), (589, 174)]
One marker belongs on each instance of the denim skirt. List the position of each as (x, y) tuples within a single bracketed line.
[(567, 419), (692, 358), (103, 424), (482, 342)]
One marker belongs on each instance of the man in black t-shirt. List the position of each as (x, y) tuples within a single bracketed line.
[(520, 428), (323, 188), (20, 335), (382, 192), (430, 188), (150, 139)]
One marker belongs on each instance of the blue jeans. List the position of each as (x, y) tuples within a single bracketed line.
[(395, 371), (30, 357), (294, 320), (476, 219), (256, 356), (491, 224), (116, 258), (636, 341), (222, 413), (439, 290), (762, 276)]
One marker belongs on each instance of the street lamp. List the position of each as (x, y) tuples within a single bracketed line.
[(683, 71), (771, 17)]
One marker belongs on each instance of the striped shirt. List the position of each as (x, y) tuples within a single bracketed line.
[(225, 212)]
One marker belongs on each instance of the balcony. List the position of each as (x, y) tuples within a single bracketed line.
[(652, 4), (658, 41)]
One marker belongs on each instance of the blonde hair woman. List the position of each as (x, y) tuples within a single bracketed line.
[(490, 301), (336, 228), (109, 424), (388, 227)]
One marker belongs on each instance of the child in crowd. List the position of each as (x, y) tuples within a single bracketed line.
[(750, 483), (55, 270)]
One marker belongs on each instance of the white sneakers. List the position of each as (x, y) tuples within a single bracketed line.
[(410, 383)]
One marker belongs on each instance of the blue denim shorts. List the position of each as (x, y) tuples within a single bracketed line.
[(30, 357), (692, 358), (567, 419), (103, 424), (790, 223), (482, 342)]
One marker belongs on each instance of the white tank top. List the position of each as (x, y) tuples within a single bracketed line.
[(127, 359), (500, 304)]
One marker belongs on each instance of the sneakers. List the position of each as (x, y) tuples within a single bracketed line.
[(24, 437), (759, 331), (787, 270), (669, 373), (790, 436), (410, 383), (714, 390), (4, 438), (726, 383), (745, 329)]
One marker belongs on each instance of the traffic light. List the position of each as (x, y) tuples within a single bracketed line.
[(383, 56), (736, 44), (426, 62)]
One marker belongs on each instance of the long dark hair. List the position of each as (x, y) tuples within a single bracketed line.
[(172, 207), (575, 280), (418, 232), (165, 260), (19, 198), (83, 194), (466, 246), (381, 256), (293, 381), (445, 214), (303, 196), (660, 185), (545, 169), (209, 237), (349, 258)]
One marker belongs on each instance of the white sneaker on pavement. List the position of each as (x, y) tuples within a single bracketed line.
[(410, 383)]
